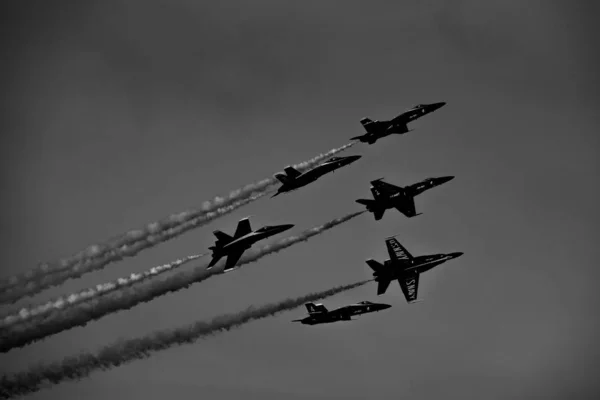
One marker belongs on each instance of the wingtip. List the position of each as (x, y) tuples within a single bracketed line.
[(393, 236)]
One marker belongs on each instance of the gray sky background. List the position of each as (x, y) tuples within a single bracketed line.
[(118, 113)]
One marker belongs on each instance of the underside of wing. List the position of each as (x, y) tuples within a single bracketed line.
[(232, 259), (396, 250), (410, 286), (407, 207)]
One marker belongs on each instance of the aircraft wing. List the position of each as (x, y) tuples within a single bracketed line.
[(232, 259), (407, 207), (243, 228), (410, 286), (396, 250), (384, 187), (382, 286), (378, 214), (342, 312)]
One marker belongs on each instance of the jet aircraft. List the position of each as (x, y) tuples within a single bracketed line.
[(294, 179), (318, 313), (234, 246), (398, 125), (405, 268), (388, 196)]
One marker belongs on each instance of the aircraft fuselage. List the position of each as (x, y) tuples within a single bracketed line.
[(246, 241), (344, 314), (418, 265), (317, 172)]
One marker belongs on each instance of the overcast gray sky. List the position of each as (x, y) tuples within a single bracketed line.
[(118, 113)]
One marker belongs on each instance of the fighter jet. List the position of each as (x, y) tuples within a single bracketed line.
[(398, 125), (294, 179), (405, 268), (243, 239), (388, 196), (318, 313)]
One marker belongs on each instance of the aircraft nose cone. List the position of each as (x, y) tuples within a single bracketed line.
[(439, 105), (282, 228), (384, 306), (445, 179), (457, 254), (351, 159)]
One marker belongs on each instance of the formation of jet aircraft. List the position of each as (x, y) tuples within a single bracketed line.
[(318, 313), (398, 125), (386, 196), (244, 237), (401, 265), (404, 268), (294, 179)]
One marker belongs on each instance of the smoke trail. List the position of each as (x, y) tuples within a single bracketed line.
[(64, 302), (47, 281), (94, 309), (122, 352), (126, 245)]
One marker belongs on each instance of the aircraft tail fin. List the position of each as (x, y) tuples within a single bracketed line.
[(292, 172), (313, 308), (368, 124)]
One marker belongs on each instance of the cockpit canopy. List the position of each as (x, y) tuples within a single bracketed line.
[(364, 302), (264, 228)]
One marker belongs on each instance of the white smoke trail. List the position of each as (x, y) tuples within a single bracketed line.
[(70, 300), (98, 255), (96, 308), (47, 281), (122, 352)]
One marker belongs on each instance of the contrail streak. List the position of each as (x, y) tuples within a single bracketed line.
[(126, 245), (126, 298), (70, 300), (32, 287), (122, 352)]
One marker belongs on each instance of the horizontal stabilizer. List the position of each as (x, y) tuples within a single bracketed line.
[(222, 237), (283, 178), (366, 202), (376, 266)]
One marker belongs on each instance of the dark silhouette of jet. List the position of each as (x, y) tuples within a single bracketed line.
[(294, 179), (398, 125), (318, 313), (388, 196), (244, 237), (405, 268)]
